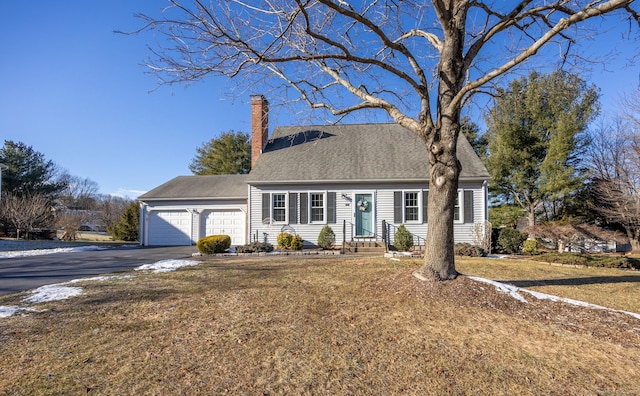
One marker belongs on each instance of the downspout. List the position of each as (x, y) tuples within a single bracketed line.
[(247, 236), (142, 234), (485, 190)]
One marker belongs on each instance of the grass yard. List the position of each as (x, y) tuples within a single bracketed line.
[(329, 325)]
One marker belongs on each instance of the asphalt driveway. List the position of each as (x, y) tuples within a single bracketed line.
[(25, 273)]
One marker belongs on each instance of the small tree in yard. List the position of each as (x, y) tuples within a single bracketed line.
[(327, 238), (128, 227), (417, 62), (403, 240), (510, 240), (26, 212)]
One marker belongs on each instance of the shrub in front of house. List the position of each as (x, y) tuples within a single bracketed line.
[(296, 243), (403, 239), (284, 240), (214, 244), (510, 240), (327, 238), (469, 250), (531, 246), (255, 247)]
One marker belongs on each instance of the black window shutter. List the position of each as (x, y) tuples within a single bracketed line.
[(468, 206), (425, 207), (293, 208), (331, 207), (304, 211), (397, 207), (266, 206)]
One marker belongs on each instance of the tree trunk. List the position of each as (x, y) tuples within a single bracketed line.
[(561, 246), (441, 140), (531, 216), (439, 261)]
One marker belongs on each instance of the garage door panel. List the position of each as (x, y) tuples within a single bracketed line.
[(170, 228), (226, 222)]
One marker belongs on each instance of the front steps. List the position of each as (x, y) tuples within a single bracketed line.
[(364, 247)]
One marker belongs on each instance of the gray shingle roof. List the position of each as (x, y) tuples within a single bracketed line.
[(198, 187), (349, 153)]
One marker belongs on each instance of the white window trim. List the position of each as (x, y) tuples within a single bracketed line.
[(460, 219), (404, 207), (324, 207), (286, 208)]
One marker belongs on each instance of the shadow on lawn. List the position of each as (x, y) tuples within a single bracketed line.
[(592, 280)]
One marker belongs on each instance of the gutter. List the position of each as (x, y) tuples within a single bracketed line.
[(190, 198), (352, 181)]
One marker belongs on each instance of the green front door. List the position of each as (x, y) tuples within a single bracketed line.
[(364, 215)]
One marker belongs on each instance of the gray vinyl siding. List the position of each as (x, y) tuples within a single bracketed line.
[(344, 211)]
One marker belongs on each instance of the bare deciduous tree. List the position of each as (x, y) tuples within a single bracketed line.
[(78, 193), (615, 167), (417, 61), (26, 212), (110, 209)]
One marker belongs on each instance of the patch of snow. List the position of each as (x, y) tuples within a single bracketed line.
[(502, 287), (166, 265), (544, 296), (97, 279), (6, 311), (41, 252), (515, 291), (52, 293)]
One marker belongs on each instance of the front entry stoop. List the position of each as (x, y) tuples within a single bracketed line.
[(366, 247)]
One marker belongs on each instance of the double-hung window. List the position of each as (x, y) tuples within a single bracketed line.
[(317, 207), (279, 207), (411, 206), (457, 213)]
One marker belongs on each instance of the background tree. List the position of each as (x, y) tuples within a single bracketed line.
[(615, 167), (110, 209), (26, 212), (536, 131), (28, 173), (78, 193), (417, 62), (505, 215), (228, 154), (128, 226), (478, 141)]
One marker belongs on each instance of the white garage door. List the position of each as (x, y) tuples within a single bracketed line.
[(226, 222), (170, 228)]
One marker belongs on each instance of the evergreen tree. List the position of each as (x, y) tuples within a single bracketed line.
[(228, 154), (471, 131), (28, 172), (535, 135), (127, 228)]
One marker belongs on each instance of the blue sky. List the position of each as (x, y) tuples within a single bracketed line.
[(76, 91)]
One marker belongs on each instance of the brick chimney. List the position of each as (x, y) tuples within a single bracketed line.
[(259, 126)]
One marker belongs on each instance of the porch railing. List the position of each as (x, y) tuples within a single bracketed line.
[(389, 231)]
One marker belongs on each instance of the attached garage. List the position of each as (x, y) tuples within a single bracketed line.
[(170, 228), (188, 208)]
